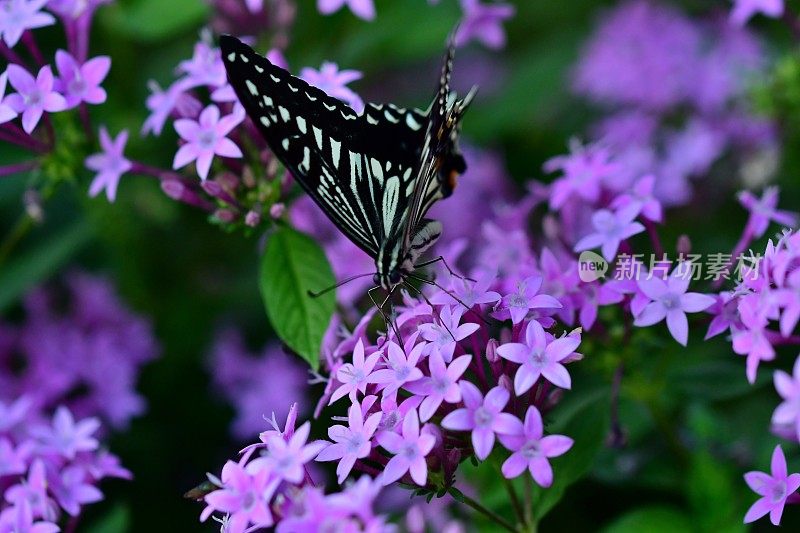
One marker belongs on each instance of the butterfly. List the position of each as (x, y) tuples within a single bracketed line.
[(374, 174)]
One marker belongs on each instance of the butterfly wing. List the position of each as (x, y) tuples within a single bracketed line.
[(358, 168)]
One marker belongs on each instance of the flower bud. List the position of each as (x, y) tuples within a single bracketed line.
[(506, 383), (225, 215), (491, 351), (252, 218), (277, 210)]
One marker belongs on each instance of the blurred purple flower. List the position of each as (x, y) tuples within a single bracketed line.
[(764, 210), (350, 443), (19, 519), (81, 83), (539, 358), (206, 138), (162, 104), (670, 300), (72, 489), (6, 113), (641, 196), (517, 304), (482, 416), (787, 414), (244, 496), (17, 16), (110, 164), (33, 96), (33, 491), (750, 338), (205, 68), (67, 437), (584, 170), (773, 488), (364, 9), (286, 458), (743, 10), (409, 450), (531, 449), (611, 228), (484, 23), (334, 82)]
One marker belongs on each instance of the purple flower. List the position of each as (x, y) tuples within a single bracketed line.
[(470, 294), (584, 169), (16, 16), (110, 164), (364, 9), (763, 210), (205, 138), (750, 338), (516, 305), (81, 83), (72, 490), (33, 96), (441, 385), (641, 196), (350, 443), (787, 414), (537, 358), (6, 113), (670, 300), (483, 416), (400, 370), (286, 459), (532, 450), (14, 413), (743, 10), (12, 460), (484, 23), (333, 81), (245, 496), (447, 333), (19, 519), (774, 489), (393, 414), (726, 314), (355, 376), (611, 228), (33, 492), (163, 103), (66, 437), (204, 68), (409, 451)]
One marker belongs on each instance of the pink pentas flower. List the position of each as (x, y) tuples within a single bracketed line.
[(585, 169), (364, 9), (441, 385), (641, 196), (468, 292), (594, 295), (351, 442), (110, 164), (401, 369), (774, 489), (744, 10), (17, 16), (286, 459), (787, 414), (34, 96), (750, 338), (789, 297), (162, 104), (764, 210), (81, 83), (444, 335), (531, 449), (244, 495), (483, 23), (334, 82), (355, 376), (6, 112), (484, 417), (394, 414), (12, 458), (206, 138), (72, 489), (204, 68), (33, 492), (19, 519), (670, 300), (538, 357), (517, 304), (67, 437), (726, 314), (409, 449), (610, 229)]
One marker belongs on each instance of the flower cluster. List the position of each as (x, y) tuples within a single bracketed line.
[(79, 345), (49, 468)]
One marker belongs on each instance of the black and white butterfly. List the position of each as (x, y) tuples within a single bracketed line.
[(376, 174)]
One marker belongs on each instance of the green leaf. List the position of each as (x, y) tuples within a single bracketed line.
[(156, 20), (117, 520), (655, 519), (585, 420), (292, 265), (35, 265), (711, 489)]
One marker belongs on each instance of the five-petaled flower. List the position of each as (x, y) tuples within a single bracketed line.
[(244, 495), (409, 451), (531, 449), (81, 83), (110, 164), (286, 458), (34, 96), (444, 335), (764, 209), (206, 138), (334, 82), (364, 9), (350, 443), (401, 369), (610, 229), (484, 23), (517, 304), (355, 376), (17, 16), (441, 385), (773, 488)]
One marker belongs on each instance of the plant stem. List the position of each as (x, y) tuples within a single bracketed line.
[(20, 229), (463, 498), (512, 494)]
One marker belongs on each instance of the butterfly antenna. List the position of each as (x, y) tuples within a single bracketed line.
[(337, 285), (438, 319), (387, 321), (449, 293), (444, 262)]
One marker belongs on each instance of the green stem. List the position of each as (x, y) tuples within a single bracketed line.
[(512, 494), (463, 498), (20, 229), (528, 503)]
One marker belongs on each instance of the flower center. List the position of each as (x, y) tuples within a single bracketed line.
[(778, 491), (517, 300), (206, 139), (410, 451), (483, 417), (530, 450), (355, 442), (77, 86), (248, 501), (391, 420), (671, 301), (537, 357), (33, 98), (402, 372), (441, 384)]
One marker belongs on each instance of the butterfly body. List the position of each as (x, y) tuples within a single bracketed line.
[(376, 174)]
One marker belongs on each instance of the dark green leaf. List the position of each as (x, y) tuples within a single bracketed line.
[(117, 520), (34, 266), (292, 265), (652, 520), (156, 20)]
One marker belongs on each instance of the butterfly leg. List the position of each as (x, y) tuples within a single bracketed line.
[(444, 262), (386, 320), (449, 293), (427, 301)]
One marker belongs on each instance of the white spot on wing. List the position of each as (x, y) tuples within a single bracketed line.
[(285, 143), (390, 117), (232, 57), (377, 170), (275, 78), (412, 123), (259, 69), (317, 136), (251, 87), (336, 148), (371, 120), (244, 58), (284, 113), (265, 121), (301, 124), (312, 98)]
